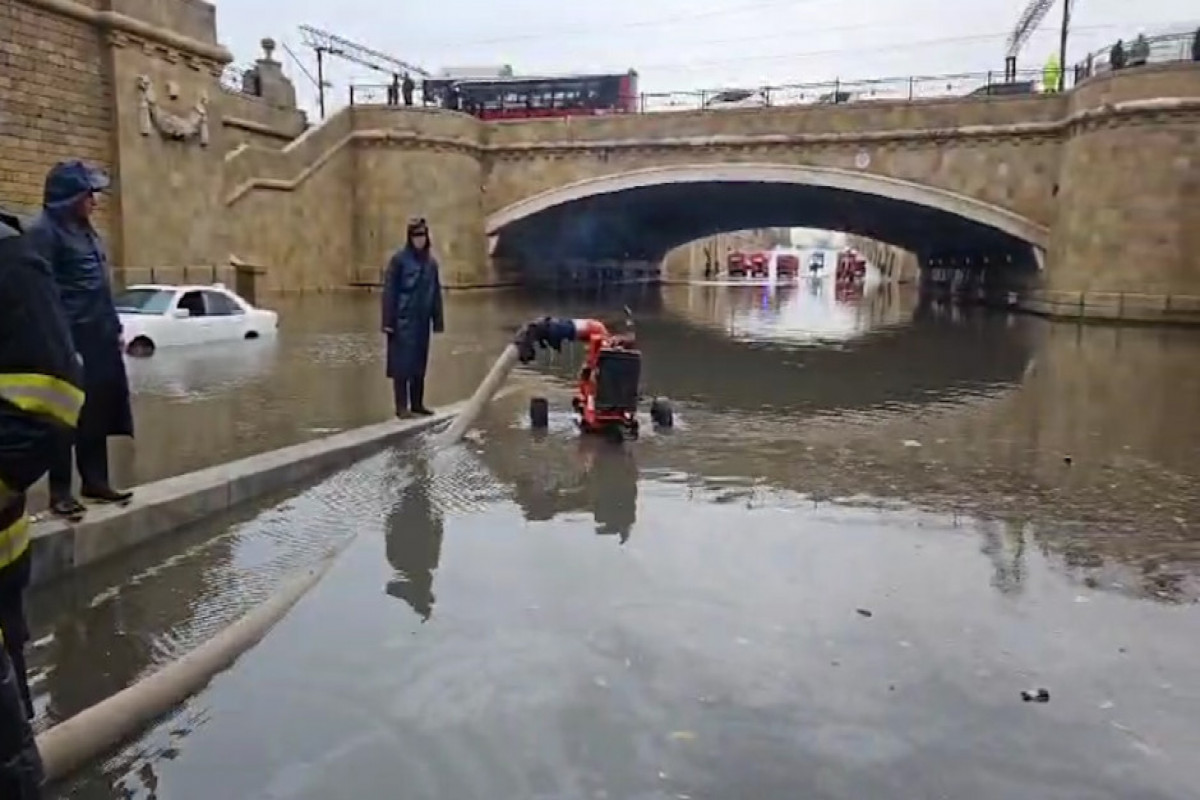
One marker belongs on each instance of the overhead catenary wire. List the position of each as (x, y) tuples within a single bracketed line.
[(684, 66)]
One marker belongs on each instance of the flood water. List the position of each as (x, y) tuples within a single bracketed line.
[(873, 526)]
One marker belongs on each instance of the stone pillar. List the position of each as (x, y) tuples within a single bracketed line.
[(1127, 239), (266, 80), (164, 62)]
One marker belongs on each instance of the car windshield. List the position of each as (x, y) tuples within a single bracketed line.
[(143, 301)]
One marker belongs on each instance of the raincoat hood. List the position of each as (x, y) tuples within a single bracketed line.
[(418, 227), (69, 181)]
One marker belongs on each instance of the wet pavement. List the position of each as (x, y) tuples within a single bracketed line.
[(874, 526)]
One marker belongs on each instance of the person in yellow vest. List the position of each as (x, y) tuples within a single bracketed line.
[(40, 397), (1051, 74)]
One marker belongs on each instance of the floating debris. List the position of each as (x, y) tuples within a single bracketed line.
[(1036, 695)]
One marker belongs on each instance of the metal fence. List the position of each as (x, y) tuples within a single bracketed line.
[(1167, 48), (1160, 50)]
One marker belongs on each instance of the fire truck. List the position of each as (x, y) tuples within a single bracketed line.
[(753, 265), (787, 265), (851, 268)]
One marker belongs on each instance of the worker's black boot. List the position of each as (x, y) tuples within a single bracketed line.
[(416, 396)]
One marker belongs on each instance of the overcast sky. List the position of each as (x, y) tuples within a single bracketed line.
[(687, 44)]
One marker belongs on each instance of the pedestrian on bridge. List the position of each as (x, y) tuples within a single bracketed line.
[(412, 308), (65, 238), (406, 89), (40, 398), (1196, 46), (1116, 56)]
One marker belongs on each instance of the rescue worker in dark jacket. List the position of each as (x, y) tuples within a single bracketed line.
[(412, 307), (40, 398), (64, 237), (406, 88)]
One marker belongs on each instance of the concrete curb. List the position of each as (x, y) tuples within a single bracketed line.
[(158, 508)]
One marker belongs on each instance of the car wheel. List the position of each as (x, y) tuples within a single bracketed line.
[(251, 334), (140, 347)]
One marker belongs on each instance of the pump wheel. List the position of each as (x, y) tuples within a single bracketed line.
[(539, 413), (661, 413)]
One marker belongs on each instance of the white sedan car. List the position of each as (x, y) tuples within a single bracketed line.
[(154, 316)]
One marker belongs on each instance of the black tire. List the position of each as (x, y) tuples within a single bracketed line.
[(141, 347), (539, 413), (251, 335), (661, 413)]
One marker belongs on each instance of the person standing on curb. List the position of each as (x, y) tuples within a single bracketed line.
[(64, 237), (40, 398), (412, 307)]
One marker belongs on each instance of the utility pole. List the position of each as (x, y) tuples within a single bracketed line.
[(321, 79), (1062, 45)]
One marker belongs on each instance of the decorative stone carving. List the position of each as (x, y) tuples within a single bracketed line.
[(173, 127)]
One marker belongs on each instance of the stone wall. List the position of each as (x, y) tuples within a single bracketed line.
[(55, 100), (1128, 240), (248, 120)]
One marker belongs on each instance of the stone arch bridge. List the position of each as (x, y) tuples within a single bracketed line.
[(1076, 200)]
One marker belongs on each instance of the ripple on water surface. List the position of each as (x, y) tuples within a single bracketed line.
[(831, 581), (764, 646)]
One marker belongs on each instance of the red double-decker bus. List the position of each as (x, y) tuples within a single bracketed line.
[(530, 97)]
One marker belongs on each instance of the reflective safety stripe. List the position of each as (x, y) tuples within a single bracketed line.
[(43, 396), (14, 541)]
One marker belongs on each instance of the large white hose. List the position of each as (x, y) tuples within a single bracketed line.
[(486, 391), (73, 743)]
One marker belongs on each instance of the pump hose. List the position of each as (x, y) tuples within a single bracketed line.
[(486, 391), (72, 743), (92, 732)]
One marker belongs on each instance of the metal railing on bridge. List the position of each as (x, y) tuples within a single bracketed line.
[(1162, 49), (1167, 48)]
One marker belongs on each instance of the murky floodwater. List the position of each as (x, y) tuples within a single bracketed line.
[(873, 527)]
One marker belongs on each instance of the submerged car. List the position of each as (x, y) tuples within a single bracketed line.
[(156, 315)]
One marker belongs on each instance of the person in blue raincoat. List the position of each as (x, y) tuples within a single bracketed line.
[(412, 309), (64, 236)]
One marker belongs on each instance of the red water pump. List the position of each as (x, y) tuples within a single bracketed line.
[(607, 394)]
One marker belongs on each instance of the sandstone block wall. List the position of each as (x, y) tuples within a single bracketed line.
[(1128, 240), (55, 100)]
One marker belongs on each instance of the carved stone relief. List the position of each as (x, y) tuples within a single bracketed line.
[(174, 127)]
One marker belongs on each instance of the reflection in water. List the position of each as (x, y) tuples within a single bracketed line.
[(413, 534), (595, 475), (1015, 500)]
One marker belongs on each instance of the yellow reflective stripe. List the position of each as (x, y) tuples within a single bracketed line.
[(42, 395), (14, 541)]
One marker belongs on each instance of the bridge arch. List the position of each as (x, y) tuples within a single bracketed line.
[(842, 182)]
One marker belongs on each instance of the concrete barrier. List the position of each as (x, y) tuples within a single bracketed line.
[(163, 506)]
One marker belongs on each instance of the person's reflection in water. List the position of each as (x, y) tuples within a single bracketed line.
[(413, 534)]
